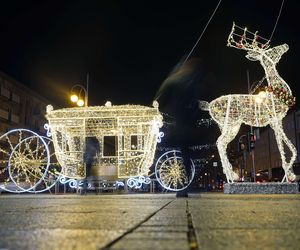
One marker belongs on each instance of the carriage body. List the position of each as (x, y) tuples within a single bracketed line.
[(110, 142), (125, 138)]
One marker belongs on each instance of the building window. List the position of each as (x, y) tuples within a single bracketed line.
[(5, 92), (15, 98), (15, 118), (4, 114)]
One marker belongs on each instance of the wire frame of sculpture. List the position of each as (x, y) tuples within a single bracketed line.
[(26, 162), (266, 108), (171, 173), (132, 129)]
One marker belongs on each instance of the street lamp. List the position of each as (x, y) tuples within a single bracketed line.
[(76, 94), (242, 146)]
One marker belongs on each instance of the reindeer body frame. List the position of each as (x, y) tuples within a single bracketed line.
[(258, 110)]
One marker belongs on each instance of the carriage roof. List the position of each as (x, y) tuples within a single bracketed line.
[(103, 112)]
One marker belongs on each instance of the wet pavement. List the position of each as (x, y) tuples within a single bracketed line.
[(150, 221)]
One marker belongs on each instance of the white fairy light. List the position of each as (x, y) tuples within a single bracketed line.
[(26, 162), (138, 181), (259, 110), (171, 173), (71, 126)]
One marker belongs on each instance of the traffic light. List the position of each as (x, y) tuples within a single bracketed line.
[(251, 138)]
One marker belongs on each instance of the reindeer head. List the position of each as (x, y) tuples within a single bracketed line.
[(254, 55), (274, 54), (271, 55)]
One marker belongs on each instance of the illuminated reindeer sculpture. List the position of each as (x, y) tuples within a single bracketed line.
[(268, 107)]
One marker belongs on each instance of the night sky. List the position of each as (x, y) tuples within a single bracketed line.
[(130, 47)]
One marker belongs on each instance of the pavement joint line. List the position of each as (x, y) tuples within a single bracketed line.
[(110, 244), (191, 234)]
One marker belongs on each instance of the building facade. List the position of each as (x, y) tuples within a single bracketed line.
[(20, 107), (265, 159)]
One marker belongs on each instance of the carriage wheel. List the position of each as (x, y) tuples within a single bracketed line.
[(170, 171), (53, 172), (25, 160)]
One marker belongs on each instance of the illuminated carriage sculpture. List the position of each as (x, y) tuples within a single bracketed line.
[(34, 163)]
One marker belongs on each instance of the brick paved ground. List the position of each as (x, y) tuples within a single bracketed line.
[(150, 221)]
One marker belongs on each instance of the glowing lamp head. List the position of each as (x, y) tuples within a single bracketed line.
[(80, 102), (74, 98)]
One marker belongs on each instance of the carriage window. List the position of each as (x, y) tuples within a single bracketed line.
[(134, 141), (110, 146)]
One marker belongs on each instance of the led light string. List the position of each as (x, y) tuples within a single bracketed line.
[(258, 110)]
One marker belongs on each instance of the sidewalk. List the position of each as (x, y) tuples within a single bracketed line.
[(150, 221)]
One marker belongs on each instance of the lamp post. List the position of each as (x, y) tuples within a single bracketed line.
[(242, 147), (76, 93)]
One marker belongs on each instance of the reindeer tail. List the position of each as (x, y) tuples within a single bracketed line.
[(203, 105)]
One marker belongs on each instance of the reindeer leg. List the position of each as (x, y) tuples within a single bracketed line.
[(289, 169), (282, 139), (228, 134)]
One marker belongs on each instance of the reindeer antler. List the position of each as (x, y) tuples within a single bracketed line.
[(241, 38)]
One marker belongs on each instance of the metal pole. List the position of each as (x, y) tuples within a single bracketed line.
[(244, 156), (244, 160), (253, 164), (251, 130), (270, 157), (87, 90)]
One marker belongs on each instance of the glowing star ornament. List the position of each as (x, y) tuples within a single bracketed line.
[(259, 110)]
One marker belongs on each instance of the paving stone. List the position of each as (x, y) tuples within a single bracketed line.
[(157, 235), (145, 244), (71, 222), (248, 239), (155, 228), (56, 239), (165, 221)]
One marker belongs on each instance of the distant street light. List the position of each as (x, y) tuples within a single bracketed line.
[(76, 94)]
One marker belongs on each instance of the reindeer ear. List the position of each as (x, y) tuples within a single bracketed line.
[(251, 58), (286, 47), (252, 55)]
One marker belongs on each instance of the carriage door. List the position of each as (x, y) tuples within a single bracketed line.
[(131, 150)]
